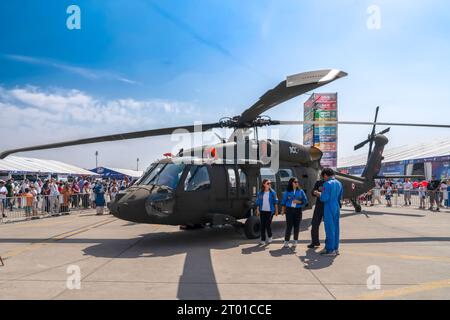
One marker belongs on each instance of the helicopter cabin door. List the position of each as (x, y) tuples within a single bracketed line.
[(195, 191)]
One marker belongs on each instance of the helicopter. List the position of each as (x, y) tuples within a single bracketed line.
[(218, 184)]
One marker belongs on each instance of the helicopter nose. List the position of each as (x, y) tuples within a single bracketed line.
[(130, 206)]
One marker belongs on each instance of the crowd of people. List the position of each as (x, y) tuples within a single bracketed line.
[(58, 197), (436, 191)]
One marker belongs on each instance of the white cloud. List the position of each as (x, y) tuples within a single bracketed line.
[(83, 72), (32, 115)]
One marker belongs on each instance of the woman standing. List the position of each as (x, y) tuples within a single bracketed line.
[(46, 193), (66, 195), (266, 207), (294, 200)]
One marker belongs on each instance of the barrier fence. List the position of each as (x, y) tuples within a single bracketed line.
[(413, 198), (40, 206)]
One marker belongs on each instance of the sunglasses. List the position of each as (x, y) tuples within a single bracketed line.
[(268, 183), (296, 182)]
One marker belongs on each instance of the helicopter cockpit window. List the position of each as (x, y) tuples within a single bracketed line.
[(150, 174), (169, 175), (165, 175), (197, 179), (243, 182), (232, 181)]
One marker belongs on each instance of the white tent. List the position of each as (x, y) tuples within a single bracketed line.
[(20, 165)]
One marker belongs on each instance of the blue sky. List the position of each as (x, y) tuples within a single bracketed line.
[(145, 64)]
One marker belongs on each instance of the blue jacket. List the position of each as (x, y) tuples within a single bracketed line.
[(273, 200), (331, 196), (298, 194)]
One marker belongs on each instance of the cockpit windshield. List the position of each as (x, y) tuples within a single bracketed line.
[(164, 175)]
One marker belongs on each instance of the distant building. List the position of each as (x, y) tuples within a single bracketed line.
[(428, 159)]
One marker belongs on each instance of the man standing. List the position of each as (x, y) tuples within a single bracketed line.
[(331, 196), (10, 188), (407, 187), (317, 216), (54, 197), (3, 196), (433, 189)]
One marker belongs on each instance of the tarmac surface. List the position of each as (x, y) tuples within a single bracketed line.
[(120, 260)]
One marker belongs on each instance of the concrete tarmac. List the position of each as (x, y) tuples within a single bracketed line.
[(406, 249)]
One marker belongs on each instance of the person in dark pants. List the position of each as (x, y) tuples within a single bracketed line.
[(433, 192), (317, 216), (294, 199), (266, 207)]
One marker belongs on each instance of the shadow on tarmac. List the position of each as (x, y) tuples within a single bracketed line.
[(198, 279), (314, 261)]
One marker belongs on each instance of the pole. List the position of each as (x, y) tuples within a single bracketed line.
[(96, 162), (137, 164)]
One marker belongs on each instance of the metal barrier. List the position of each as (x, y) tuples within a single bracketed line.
[(40, 206), (413, 198)]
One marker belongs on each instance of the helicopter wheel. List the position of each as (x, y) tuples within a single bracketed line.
[(252, 227)]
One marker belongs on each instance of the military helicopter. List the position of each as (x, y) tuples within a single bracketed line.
[(217, 184)]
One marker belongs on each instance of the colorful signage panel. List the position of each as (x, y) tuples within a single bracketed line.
[(322, 107)]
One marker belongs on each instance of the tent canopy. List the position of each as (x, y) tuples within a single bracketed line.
[(21, 165), (117, 173)]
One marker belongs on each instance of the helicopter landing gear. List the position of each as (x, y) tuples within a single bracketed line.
[(192, 226), (357, 205), (252, 227)]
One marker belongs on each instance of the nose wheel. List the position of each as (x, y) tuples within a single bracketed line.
[(252, 227)]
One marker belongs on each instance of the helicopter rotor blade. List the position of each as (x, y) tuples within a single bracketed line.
[(385, 131), (113, 137), (393, 124), (362, 144), (293, 86)]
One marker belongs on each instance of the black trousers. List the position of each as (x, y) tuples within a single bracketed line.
[(266, 221), (315, 224), (293, 219)]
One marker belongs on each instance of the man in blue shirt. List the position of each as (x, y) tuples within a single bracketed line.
[(331, 196)]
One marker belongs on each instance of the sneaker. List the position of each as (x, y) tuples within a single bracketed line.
[(295, 243), (262, 243), (326, 253), (269, 240), (336, 252), (312, 246), (286, 244)]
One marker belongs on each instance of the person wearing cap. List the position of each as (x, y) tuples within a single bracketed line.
[(3, 197), (331, 196)]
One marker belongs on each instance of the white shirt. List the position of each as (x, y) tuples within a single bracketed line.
[(266, 204), (3, 192), (408, 186)]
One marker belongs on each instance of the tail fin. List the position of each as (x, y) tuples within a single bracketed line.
[(376, 156)]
